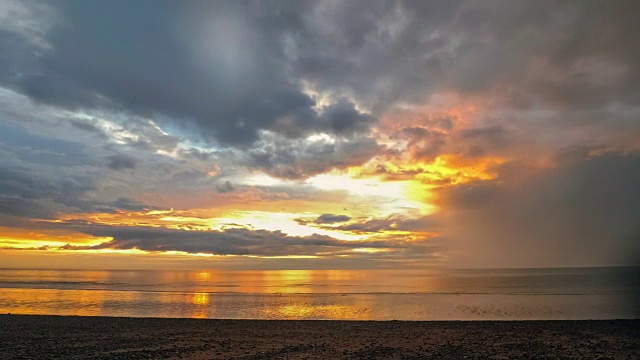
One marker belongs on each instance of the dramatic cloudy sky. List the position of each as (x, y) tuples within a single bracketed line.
[(319, 134)]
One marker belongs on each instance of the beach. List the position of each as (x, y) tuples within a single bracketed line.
[(72, 337)]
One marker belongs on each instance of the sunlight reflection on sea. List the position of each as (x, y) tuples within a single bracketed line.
[(601, 293)]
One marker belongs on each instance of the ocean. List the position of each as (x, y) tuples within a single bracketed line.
[(505, 294)]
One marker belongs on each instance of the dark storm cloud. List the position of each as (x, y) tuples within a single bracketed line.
[(570, 55), (331, 219), (575, 55), (234, 68), (581, 212), (227, 242), (219, 66), (378, 51)]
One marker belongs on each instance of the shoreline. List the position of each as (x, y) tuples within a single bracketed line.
[(92, 337), (118, 317)]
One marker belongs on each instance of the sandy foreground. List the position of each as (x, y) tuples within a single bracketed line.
[(62, 337)]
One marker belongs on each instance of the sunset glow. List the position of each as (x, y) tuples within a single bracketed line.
[(317, 135)]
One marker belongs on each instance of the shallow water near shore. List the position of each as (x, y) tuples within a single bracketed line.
[(507, 294)]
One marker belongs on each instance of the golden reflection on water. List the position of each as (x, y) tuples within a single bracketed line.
[(302, 294), (200, 299), (284, 294), (293, 275), (90, 302), (288, 281), (310, 311), (203, 275), (29, 301), (201, 310)]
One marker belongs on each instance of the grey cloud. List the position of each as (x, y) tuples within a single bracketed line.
[(88, 127), (190, 175), (43, 192), (343, 119), (30, 20), (43, 142), (45, 127), (37, 149), (483, 141), (123, 203), (225, 187), (439, 136), (226, 71), (295, 159), (582, 212), (121, 162), (578, 152), (331, 219), (376, 52), (21, 207), (42, 183), (82, 204), (228, 242), (423, 143), (198, 154), (522, 53), (563, 54), (393, 222), (495, 133), (42, 177), (220, 67)]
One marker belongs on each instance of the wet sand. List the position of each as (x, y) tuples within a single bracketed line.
[(62, 337)]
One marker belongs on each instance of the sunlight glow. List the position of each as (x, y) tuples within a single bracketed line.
[(277, 221), (262, 179), (387, 197)]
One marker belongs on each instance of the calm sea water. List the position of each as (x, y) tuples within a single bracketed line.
[(585, 293)]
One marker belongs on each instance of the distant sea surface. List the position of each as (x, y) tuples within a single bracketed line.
[(537, 294)]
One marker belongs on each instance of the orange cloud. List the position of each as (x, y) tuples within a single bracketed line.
[(20, 238)]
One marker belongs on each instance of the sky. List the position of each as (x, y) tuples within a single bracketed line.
[(319, 134)]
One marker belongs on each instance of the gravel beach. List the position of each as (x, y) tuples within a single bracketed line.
[(61, 337)]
